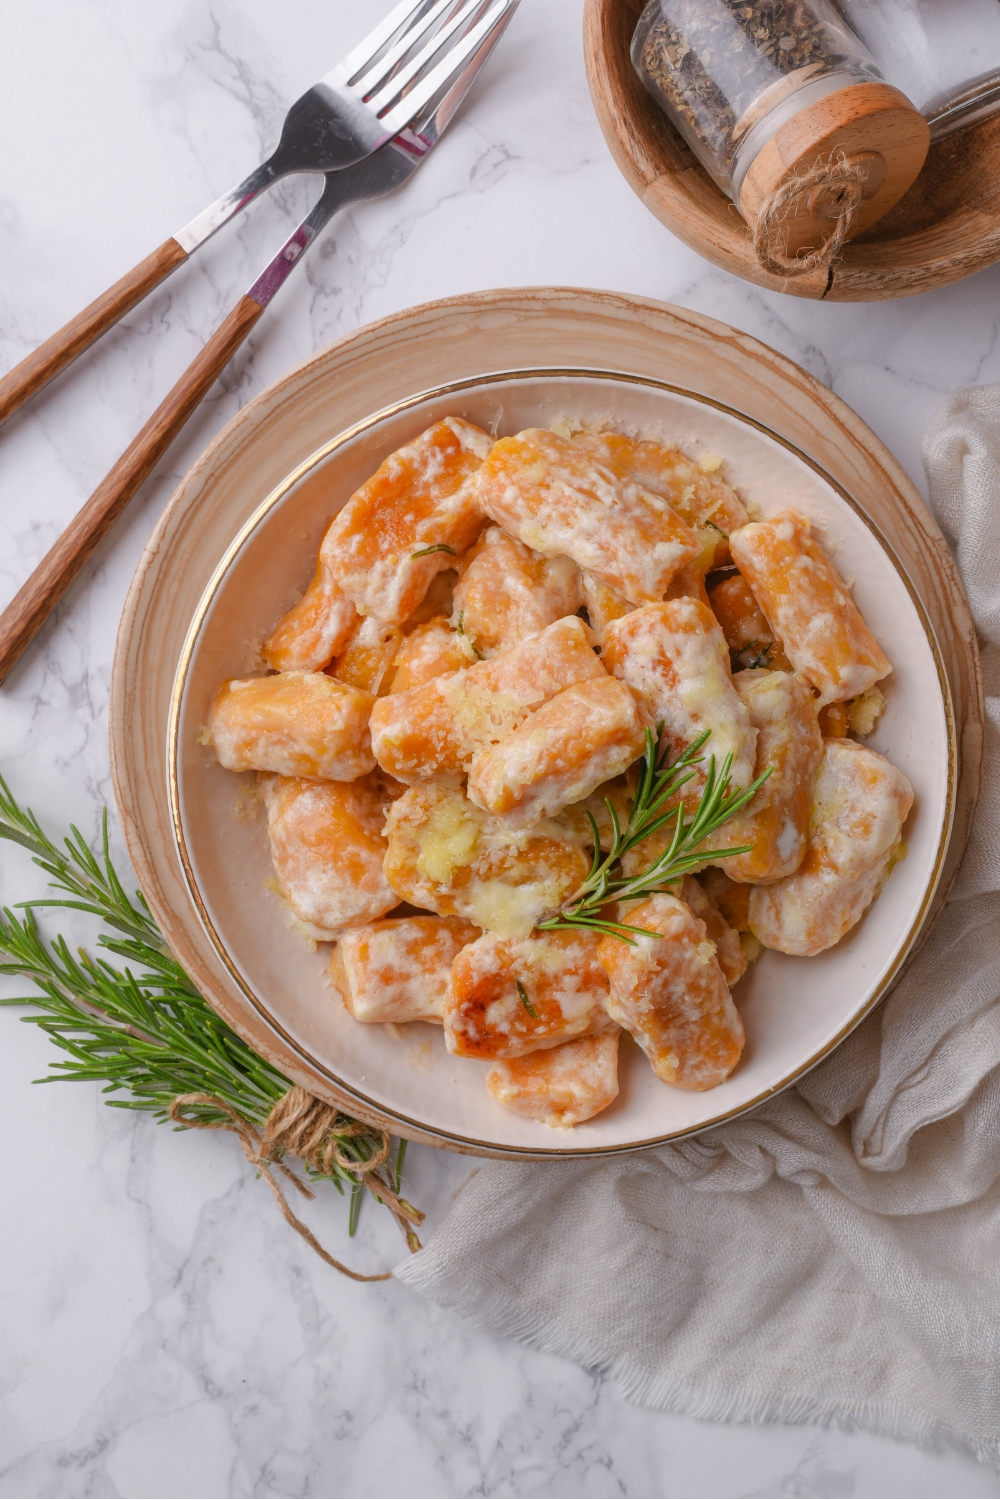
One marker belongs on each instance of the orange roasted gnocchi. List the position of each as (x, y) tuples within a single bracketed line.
[(859, 805), (295, 723), (776, 822), (584, 736), (674, 658), (315, 630), (506, 592), (447, 855), (368, 657), (751, 641), (399, 971), (432, 732), (410, 521), (669, 991), (603, 604), (453, 753), (808, 607), (556, 498), (511, 996), (561, 1086), (695, 491), (327, 850), (430, 650)]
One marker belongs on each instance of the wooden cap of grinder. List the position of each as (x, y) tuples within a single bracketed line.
[(859, 147)]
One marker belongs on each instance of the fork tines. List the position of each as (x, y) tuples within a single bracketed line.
[(382, 70)]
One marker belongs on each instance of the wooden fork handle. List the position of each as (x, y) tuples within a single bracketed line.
[(36, 600), (80, 332)]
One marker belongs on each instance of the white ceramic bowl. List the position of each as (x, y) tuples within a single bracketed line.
[(795, 1010)]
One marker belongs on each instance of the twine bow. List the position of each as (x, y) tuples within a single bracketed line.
[(302, 1125), (842, 182)]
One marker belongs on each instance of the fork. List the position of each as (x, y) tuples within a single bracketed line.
[(386, 169), (369, 97)]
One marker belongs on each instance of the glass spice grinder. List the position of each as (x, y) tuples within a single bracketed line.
[(765, 91)]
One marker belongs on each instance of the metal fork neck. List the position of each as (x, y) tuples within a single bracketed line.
[(212, 218)]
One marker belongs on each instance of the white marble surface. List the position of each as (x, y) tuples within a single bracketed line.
[(160, 1332)]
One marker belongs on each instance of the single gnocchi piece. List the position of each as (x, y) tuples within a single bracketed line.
[(807, 605), (432, 732), (674, 658), (448, 856), (315, 630), (561, 501), (562, 1086), (294, 723), (585, 735), (670, 993), (782, 709), (399, 970), (408, 522), (327, 850), (512, 996), (751, 641), (859, 805), (429, 651), (367, 659), (506, 592), (698, 494), (728, 948)]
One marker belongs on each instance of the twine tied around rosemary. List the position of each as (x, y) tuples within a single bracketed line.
[(301, 1125), (842, 183)]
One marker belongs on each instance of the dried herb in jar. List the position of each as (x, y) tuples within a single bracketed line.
[(718, 66)]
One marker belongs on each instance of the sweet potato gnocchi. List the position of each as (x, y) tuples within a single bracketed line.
[(509, 648)]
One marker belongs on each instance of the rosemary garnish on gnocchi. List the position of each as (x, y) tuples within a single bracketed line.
[(660, 781), (522, 995), (436, 547)]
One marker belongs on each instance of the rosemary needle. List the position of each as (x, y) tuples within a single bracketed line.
[(522, 995), (659, 782), (436, 547), (460, 630)]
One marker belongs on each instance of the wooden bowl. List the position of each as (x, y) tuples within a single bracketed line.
[(267, 454), (945, 228)]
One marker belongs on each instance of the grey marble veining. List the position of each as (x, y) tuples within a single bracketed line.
[(161, 1333)]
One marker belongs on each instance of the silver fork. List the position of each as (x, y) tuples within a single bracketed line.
[(369, 97), (383, 171)]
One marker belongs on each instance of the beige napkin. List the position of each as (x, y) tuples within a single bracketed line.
[(835, 1255)]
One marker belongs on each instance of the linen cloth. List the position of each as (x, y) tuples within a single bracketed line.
[(834, 1256)]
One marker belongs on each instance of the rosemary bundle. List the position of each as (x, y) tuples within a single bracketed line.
[(144, 1031)]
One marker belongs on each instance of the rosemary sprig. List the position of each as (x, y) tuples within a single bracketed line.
[(143, 1029), (659, 782)]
